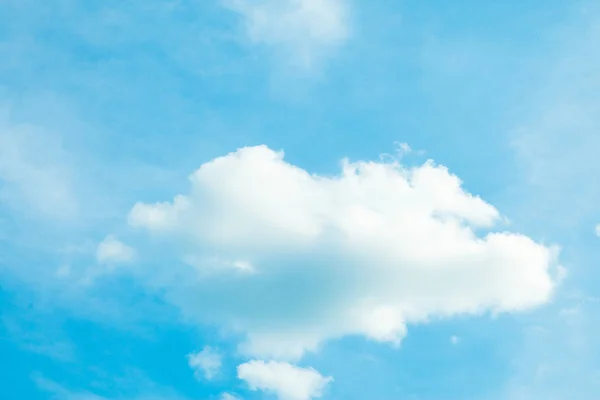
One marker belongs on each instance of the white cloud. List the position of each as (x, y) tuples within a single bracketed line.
[(286, 381), (113, 251), (362, 253), (598, 230), (228, 396), (206, 363), (218, 263), (302, 29), (454, 340)]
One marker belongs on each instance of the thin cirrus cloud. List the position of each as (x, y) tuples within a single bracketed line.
[(302, 30), (562, 112), (286, 381), (364, 253)]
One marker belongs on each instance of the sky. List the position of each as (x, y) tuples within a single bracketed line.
[(299, 199)]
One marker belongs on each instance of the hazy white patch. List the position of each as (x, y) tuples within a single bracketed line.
[(113, 251), (557, 142), (207, 363), (33, 175), (302, 30), (229, 396), (208, 264), (286, 381)]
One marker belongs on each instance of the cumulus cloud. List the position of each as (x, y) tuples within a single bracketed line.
[(597, 230), (286, 381), (302, 29), (364, 253), (113, 251), (205, 363)]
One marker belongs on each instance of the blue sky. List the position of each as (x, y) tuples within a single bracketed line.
[(299, 199)]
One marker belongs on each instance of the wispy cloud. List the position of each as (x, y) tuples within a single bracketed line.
[(61, 393), (33, 170), (229, 396), (38, 334), (302, 31), (557, 360), (557, 142), (131, 385), (206, 363), (112, 251)]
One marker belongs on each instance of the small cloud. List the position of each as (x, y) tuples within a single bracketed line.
[(405, 148), (228, 396), (597, 230), (218, 264), (303, 30), (454, 340), (570, 311), (243, 265), (113, 251), (402, 149), (286, 381), (561, 273), (206, 363)]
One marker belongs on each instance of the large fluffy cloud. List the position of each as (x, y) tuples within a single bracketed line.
[(365, 252), (302, 29), (286, 381)]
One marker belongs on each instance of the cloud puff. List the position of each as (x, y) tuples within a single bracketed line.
[(286, 381), (365, 252), (113, 251), (207, 363), (597, 230), (228, 396), (302, 29)]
